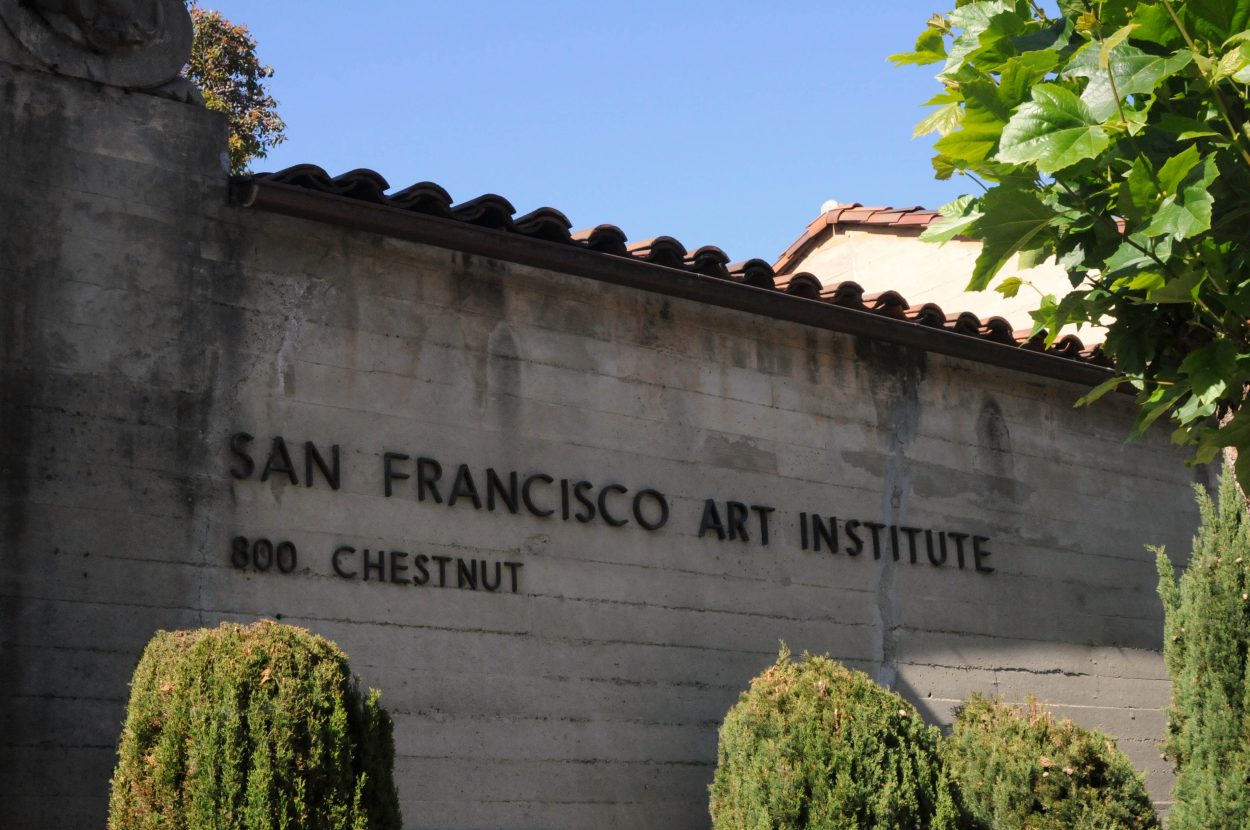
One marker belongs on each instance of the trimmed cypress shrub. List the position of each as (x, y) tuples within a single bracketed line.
[(251, 728), (814, 745), (1017, 768), (1205, 643)]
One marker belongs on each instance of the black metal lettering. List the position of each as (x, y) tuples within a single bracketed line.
[(736, 521), (850, 526), (959, 546), (802, 531), (603, 504), (466, 575), (911, 541), (238, 446), (279, 461), (640, 517), (979, 553), (528, 499), (564, 499), (338, 567), (495, 486), (429, 471), (285, 556), (398, 568), (587, 513), (330, 472), (875, 529), (762, 511), (498, 576), (442, 569), (937, 557), (265, 547), (379, 566), (422, 576), (388, 471), (711, 520), (464, 487), (240, 552), (513, 567), (894, 541), (827, 533)]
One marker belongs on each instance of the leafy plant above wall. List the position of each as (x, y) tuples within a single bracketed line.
[(1113, 137)]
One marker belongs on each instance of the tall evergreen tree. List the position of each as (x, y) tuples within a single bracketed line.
[(1206, 638)]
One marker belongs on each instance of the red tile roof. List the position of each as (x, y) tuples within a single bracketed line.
[(910, 221), (297, 190)]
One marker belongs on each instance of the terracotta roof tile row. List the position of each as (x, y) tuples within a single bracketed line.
[(550, 225), (898, 220)]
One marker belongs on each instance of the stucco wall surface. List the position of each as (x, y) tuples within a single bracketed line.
[(144, 321)]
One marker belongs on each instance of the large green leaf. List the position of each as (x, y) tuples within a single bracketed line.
[(1210, 370), (956, 218), (1135, 255), (1054, 130), (1128, 71), (1012, 220), (1215, 21), (930, 48), (944, 120), (1186, 211), (1155, 25), (1020, 74), (1138, 193), (974, 141), (972, 20), (1175, 169)]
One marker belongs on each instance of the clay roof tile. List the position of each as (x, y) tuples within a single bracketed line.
[(803, 285), (606, 239), (754, 272), (545, 223), (848, 294), (487, 211), (709, 261), (929, 314), (662, 250), (424, 197)]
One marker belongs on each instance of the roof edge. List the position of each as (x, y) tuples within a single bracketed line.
[(352, 211), (898, 220)]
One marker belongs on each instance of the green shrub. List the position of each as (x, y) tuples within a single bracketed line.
[(814, 745), (1206, 640), (1017, 768), (251, 728)]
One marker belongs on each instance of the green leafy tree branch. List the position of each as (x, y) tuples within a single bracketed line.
[(225, 67), (1112, 136)]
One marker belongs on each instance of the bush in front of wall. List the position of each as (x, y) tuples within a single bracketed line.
[(253, 727), (813, 744), (1018, 768), (1205, 645)]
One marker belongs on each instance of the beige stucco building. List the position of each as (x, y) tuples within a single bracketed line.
[(880, 249)]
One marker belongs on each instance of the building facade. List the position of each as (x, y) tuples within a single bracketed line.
[(558, 496)]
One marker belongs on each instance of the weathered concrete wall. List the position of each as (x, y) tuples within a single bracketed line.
[(143, 322)]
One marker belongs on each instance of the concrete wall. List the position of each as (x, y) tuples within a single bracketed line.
[(144, 321)]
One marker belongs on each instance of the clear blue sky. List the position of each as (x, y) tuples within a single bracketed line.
[(718, 123)]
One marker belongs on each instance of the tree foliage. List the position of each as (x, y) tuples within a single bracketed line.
[(232, 79), (1206, 642), (1018, 768), (812, 745), (1113, 137), (251, 728)]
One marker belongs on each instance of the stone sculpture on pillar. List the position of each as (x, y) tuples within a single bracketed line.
[(135, 44)]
